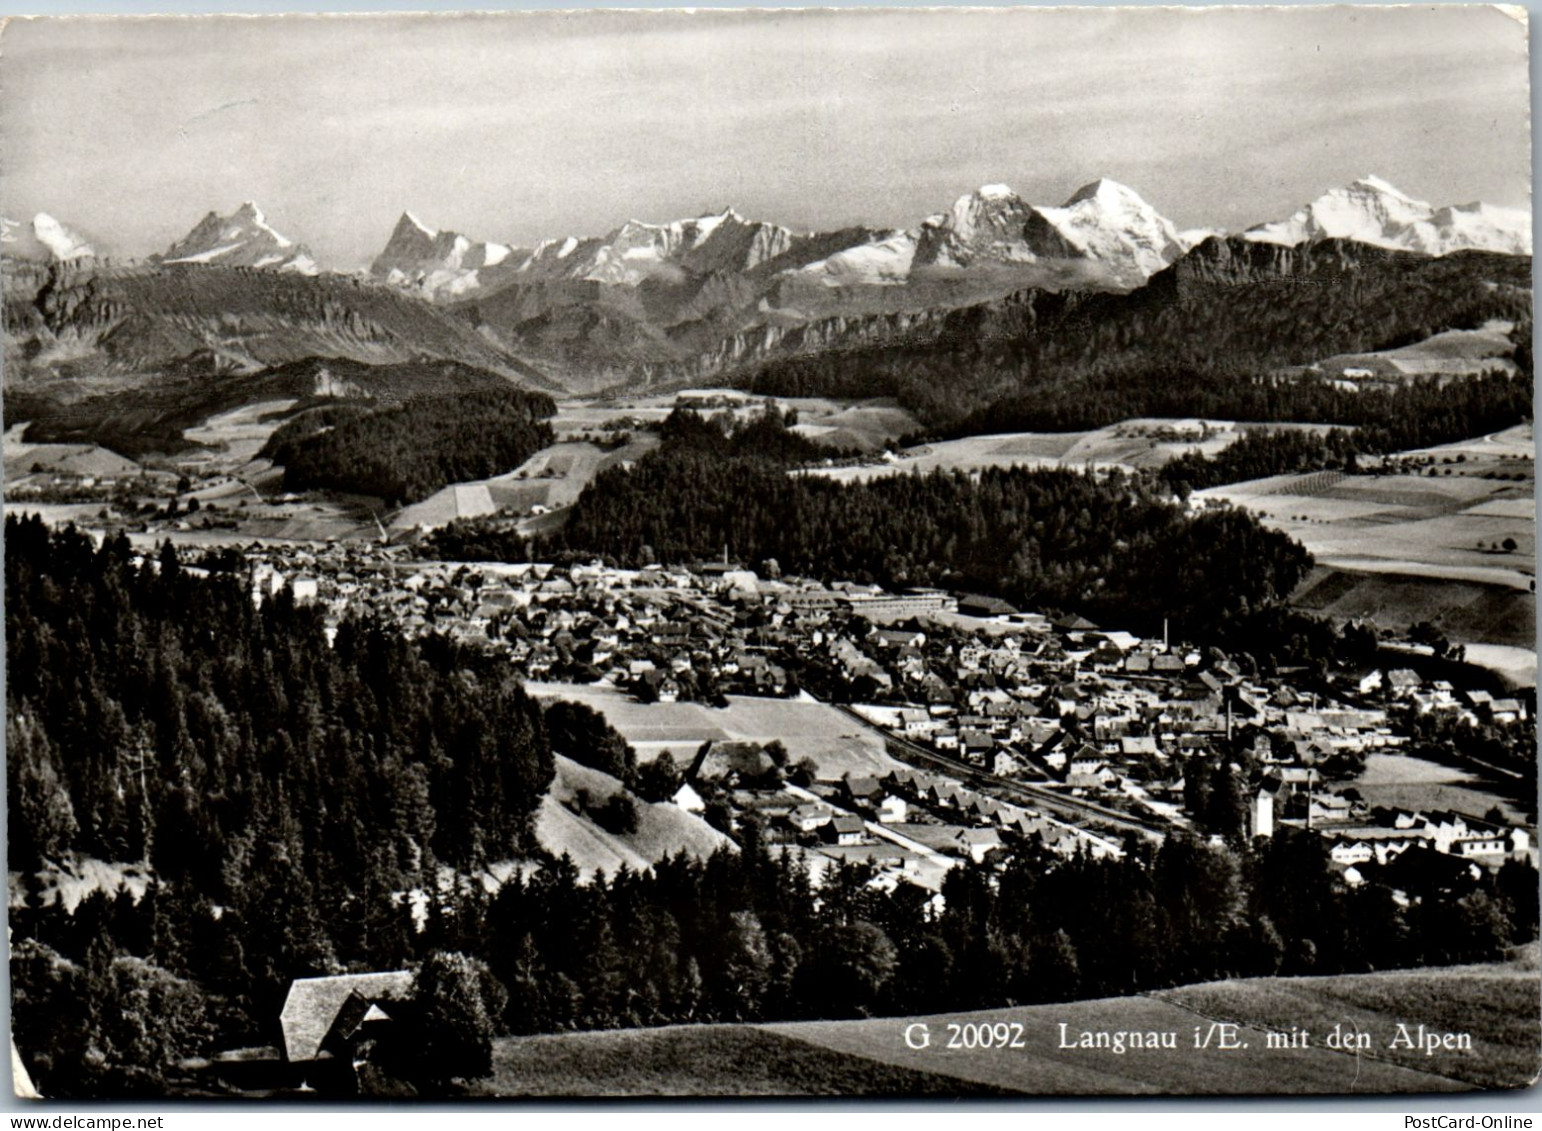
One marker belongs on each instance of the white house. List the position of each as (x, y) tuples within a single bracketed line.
[(688, 799)]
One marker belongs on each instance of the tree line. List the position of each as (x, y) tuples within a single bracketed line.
[(750, 935), (1209, 337), (1111, 546), (1421, 413)]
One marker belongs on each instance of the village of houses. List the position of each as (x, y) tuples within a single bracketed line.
[(942, 727)]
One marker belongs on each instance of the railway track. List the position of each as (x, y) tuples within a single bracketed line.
[(1035, 796)]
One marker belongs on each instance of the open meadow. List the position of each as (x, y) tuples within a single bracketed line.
[(702, 1060), (1128, 445), (230, 439), (835, 742), (1465, 525), (663, 828), (549, 480), (863, 425), (1496, 1005), (1449, 537), (1450, 353)]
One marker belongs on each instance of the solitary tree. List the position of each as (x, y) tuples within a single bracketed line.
[(457, 999)]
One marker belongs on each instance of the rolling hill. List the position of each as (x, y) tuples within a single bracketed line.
[(134, 418), (1203, 337), (84, 322), (663, 829), (1496, 1005)]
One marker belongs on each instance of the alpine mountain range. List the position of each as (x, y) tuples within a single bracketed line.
[(650, 304)]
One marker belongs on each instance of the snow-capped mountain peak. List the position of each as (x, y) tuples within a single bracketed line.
[(61, 242), (1112, 223), (413, 222), (249, 214), (436, 261), (1103, 221), (1373, 211), (1382, 187), (986, 224), (44, 239), (640, 250), (242, 239), (884, 259)]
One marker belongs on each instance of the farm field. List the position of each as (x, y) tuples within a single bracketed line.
[(23, 459), (863, 424), (1456, 547), (1129, 445), (1451, 353), (1447, 526), (1517, 443), (1518, 665), (234, 438), (83, 515), (809, 729), (1496, 1004), (1416, 783), (1481, 615)]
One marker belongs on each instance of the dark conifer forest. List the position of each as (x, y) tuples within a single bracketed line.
[(1111, 546), (1210, 336), (405, 452)]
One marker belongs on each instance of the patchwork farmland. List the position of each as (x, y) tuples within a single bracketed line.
[(1448, 537), (1129, 445)]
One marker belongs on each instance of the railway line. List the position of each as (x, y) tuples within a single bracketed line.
[(1020, 792)]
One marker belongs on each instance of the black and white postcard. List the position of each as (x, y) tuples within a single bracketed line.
[(913, 553)]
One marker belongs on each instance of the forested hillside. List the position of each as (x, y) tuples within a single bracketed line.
[(1202, 338), (156, 716), (405, 452), (1422, 414)]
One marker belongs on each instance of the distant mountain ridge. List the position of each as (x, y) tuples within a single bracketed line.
[(652, 305), (1104, 222), (432, 260), (1371, 211), (79, 321)]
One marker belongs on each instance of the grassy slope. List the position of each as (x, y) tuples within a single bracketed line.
[(699, 1060), (1043, 1068), (663, 829), (1498, 1007), (1497, 1004)]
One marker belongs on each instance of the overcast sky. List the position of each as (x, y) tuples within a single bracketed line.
[(526, 126)]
